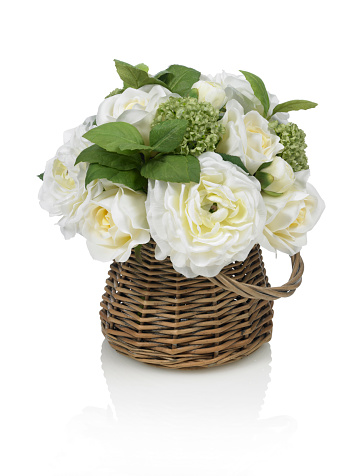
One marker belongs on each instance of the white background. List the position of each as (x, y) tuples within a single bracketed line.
[(70, 408)]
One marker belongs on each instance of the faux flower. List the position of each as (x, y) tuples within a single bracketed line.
[(293, 140), (262, 143), (234, 140), (114, 222), (204, 226), (211, 92), (290, 216), (135, 106), (70, 222), (238, 88), (63, 182), (74, 137), (235, 87), (248, 136), (282, 174), (204, 128)]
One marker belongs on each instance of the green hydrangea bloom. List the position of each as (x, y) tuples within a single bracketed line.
[(293, 140), (203, 132)]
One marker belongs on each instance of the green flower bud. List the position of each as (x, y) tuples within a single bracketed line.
[(204, 130), (292, 139)]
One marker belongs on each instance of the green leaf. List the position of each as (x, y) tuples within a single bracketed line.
[(41, 176), (234, 159), (116, 136), (259, 89), (96, 155), (264, 179), (194, 93), (162, 75), (143, 67), (264, 165), (272, 194), (133, 76), (168, 135), (129, 178), (173, 168), (295, 105), (114, 92), (137, 253), (181, 79)]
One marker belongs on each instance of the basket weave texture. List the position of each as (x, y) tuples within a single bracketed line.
[(155, 315)]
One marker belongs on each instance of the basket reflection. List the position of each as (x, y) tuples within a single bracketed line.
[(204, 422)]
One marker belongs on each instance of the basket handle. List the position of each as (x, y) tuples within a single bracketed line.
[(264, 293)]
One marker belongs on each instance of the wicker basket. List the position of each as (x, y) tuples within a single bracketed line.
[(155, 315)]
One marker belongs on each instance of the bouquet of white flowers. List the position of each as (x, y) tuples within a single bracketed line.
[(196, 172), (207, 166)]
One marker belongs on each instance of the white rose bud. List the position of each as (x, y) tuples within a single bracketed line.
[(248, 136), (262, 143), (211, 92), (282, 173)]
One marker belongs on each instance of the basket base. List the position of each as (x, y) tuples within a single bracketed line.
[(193, 364), (154, 315)]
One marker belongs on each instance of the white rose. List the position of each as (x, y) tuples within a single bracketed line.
[(135, 106), (63, 182), (203, 227), (248, 136), (238, 88), (234, 141), (69, 223), (114, 222), (235, 87), (262, 143), (291, 215), (211, 92), (283, 175), (74, 137)]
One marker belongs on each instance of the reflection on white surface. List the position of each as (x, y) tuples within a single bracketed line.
[(176, 422)]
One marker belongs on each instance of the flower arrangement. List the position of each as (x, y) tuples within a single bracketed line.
[(206, 166)]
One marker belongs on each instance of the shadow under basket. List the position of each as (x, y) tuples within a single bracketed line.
[(155, 315)]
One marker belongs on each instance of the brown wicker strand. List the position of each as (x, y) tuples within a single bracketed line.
[(258, 292)]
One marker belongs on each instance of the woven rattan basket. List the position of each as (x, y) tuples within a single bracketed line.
[(155, 315)]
